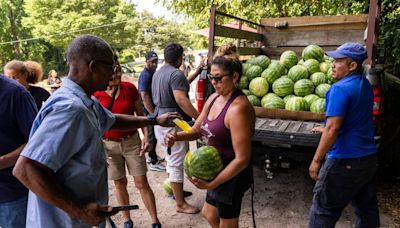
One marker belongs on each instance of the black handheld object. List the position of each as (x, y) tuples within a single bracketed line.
[(124, 208), (169, 150)]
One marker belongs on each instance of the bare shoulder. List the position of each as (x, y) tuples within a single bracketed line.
[(242, 104)]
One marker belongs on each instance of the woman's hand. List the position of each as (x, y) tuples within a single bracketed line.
[(201, 184), (170, 139), (144, 147)]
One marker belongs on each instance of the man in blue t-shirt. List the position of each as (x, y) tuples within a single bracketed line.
[(17, 112), (349, 173), (145, 79)]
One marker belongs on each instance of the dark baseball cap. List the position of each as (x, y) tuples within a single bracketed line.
[(354, 51), (151, 55)]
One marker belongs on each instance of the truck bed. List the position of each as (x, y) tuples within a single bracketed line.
[(281, 132)]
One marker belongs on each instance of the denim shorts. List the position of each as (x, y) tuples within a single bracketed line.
[(13, 214)]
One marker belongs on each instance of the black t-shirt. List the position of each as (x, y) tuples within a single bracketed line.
[(39, 94)]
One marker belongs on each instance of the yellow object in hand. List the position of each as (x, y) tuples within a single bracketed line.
[(182, 125)]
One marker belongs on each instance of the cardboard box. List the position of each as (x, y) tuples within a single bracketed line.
[(288, 115)]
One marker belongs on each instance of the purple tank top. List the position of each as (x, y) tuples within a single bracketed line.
[(216, 132)]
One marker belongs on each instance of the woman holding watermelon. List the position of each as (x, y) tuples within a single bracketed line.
[(227, 123)]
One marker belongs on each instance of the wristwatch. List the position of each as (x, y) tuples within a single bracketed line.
[(152, 119)]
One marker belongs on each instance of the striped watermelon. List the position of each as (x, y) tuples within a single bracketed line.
[(280, 67), (261, 60), (259, 86), (312, 66), (205, 163), (296, 104), (245, 68), (254, 100), (297, 72), (318, 106), (288, 59), (313, 52), (254, 71), (322, 89), (167, 187), (283, 87), (318, 78), (324, 67), (301, 61), (243, 83), (271, 74), (310, 99), (246, 92), (303, 87), (329, 75), (273, 102), (286, 98)]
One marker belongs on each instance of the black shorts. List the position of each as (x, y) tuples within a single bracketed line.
[(226, 211)]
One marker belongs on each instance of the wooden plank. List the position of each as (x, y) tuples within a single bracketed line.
[(297, 28), (315, 20), (323, 38), (245, 50), (223, 31)]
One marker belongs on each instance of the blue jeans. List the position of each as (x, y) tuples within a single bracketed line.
[(13, 214), (344, 181)]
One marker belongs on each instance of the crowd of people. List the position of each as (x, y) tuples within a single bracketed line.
[(55, 163)]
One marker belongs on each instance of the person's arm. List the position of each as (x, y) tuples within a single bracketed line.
[(145, 143), (328, 138), (241, 120), (196, 73), (184, 103), (128, 122), (146, 98), (8, 160), (42, 181)]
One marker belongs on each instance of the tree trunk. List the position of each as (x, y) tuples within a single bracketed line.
[(14, 33)]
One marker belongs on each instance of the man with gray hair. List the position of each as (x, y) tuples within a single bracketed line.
[(64, 164)]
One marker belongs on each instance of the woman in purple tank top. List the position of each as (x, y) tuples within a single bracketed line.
[(227, 123)]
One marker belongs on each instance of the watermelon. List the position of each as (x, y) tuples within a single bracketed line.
[(329, 76), (286, 98), (322, 89), (261, 60), (297, 72), (324, 67), (266, 97), (254, 71), (167, 187), (303, 87), (205, 163), (273, 102), (318, 106), (259, 86), (277, 65), (318, 78), (311, 98), (301, 61), (288, 59), (312, 66), (245, 67), (271, 74), (283, 87), (284, 76), (328, 58), (243, 83), (246, 92), (313, 52), (254, 100), (296, 104)]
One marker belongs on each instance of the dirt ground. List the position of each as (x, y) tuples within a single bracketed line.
[(283, 201)]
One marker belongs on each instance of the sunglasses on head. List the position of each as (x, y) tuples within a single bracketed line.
[(216, 78)]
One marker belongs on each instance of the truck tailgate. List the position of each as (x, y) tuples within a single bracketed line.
[(292, 132)]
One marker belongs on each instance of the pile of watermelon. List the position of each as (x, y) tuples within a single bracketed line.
[(290, 83)]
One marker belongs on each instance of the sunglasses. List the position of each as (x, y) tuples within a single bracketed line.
[(114, 67), (217, 78)]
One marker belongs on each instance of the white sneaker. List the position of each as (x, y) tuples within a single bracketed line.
[(157, 167), (148, 159)]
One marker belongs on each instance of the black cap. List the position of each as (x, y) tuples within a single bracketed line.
[(151, 55)]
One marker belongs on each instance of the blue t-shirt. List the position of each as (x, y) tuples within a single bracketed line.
[(17, 112), (144, 83), (66, 137), (352, 98)]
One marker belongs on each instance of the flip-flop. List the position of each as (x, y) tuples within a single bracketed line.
[(185, 194)]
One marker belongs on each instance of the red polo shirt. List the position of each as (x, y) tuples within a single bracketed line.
[(124, 104)]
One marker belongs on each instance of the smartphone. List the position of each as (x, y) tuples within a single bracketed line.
[(124, 208)]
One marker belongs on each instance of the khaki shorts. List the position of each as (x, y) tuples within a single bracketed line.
[(125, 152)]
